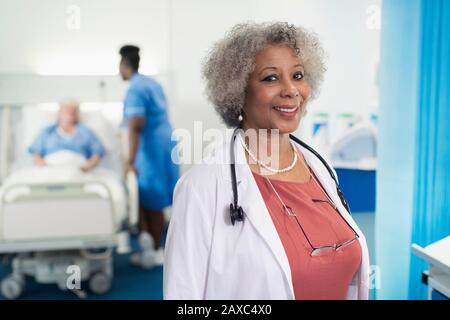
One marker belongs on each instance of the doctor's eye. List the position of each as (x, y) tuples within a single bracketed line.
[(270, 78), (298, 76)]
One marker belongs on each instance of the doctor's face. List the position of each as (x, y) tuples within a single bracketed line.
[(276, 92)]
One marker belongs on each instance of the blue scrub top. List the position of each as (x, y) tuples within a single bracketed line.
[(82, 141), (157, 173)]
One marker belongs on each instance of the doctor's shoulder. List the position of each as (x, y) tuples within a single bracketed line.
[(194, 199), (200, 178)]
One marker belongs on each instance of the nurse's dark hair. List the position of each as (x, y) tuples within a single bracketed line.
[(130, 55)]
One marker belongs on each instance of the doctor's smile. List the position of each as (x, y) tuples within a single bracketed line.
[(287, 110)]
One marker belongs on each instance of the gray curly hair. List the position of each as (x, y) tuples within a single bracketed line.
[(228, 65)]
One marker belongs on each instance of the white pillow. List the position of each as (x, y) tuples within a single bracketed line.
[(34, 120), (104, 131), (108, 134)]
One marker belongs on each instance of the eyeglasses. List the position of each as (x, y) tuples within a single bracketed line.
[(317, 250)]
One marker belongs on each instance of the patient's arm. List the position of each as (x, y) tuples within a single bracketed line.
[(38, 160), (91, 162)]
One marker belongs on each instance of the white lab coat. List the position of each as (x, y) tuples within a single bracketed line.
[(206, 257)]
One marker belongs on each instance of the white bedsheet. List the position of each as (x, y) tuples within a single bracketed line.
[(65, 158), (71, 173)]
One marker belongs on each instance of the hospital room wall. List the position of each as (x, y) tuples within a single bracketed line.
[(80, 37), (57, 48), (49, 57)]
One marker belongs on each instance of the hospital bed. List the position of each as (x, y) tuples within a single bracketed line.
[(57, 224)]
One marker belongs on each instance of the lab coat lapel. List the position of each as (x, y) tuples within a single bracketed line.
[(257, 214)]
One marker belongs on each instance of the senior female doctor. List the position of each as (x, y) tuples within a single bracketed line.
[(287, 233)]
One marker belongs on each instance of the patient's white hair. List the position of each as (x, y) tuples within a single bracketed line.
[(227, 66), (69, 102)]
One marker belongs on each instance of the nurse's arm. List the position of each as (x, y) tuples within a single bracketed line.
[(38, 160), (135, 127)]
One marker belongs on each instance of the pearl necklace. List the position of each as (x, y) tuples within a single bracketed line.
[(260, 163)]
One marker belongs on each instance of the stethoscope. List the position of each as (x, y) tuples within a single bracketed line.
[(236, 211)]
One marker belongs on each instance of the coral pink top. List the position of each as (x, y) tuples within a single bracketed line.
[(326, 275)]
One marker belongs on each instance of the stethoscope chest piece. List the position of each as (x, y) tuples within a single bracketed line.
[(236, 213)]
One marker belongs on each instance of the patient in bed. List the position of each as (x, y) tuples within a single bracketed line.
[(67, 142)]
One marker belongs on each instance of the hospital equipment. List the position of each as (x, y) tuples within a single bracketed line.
[(356, 148), (236, 211), (56, 219), (437, 255), (353, 154)]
